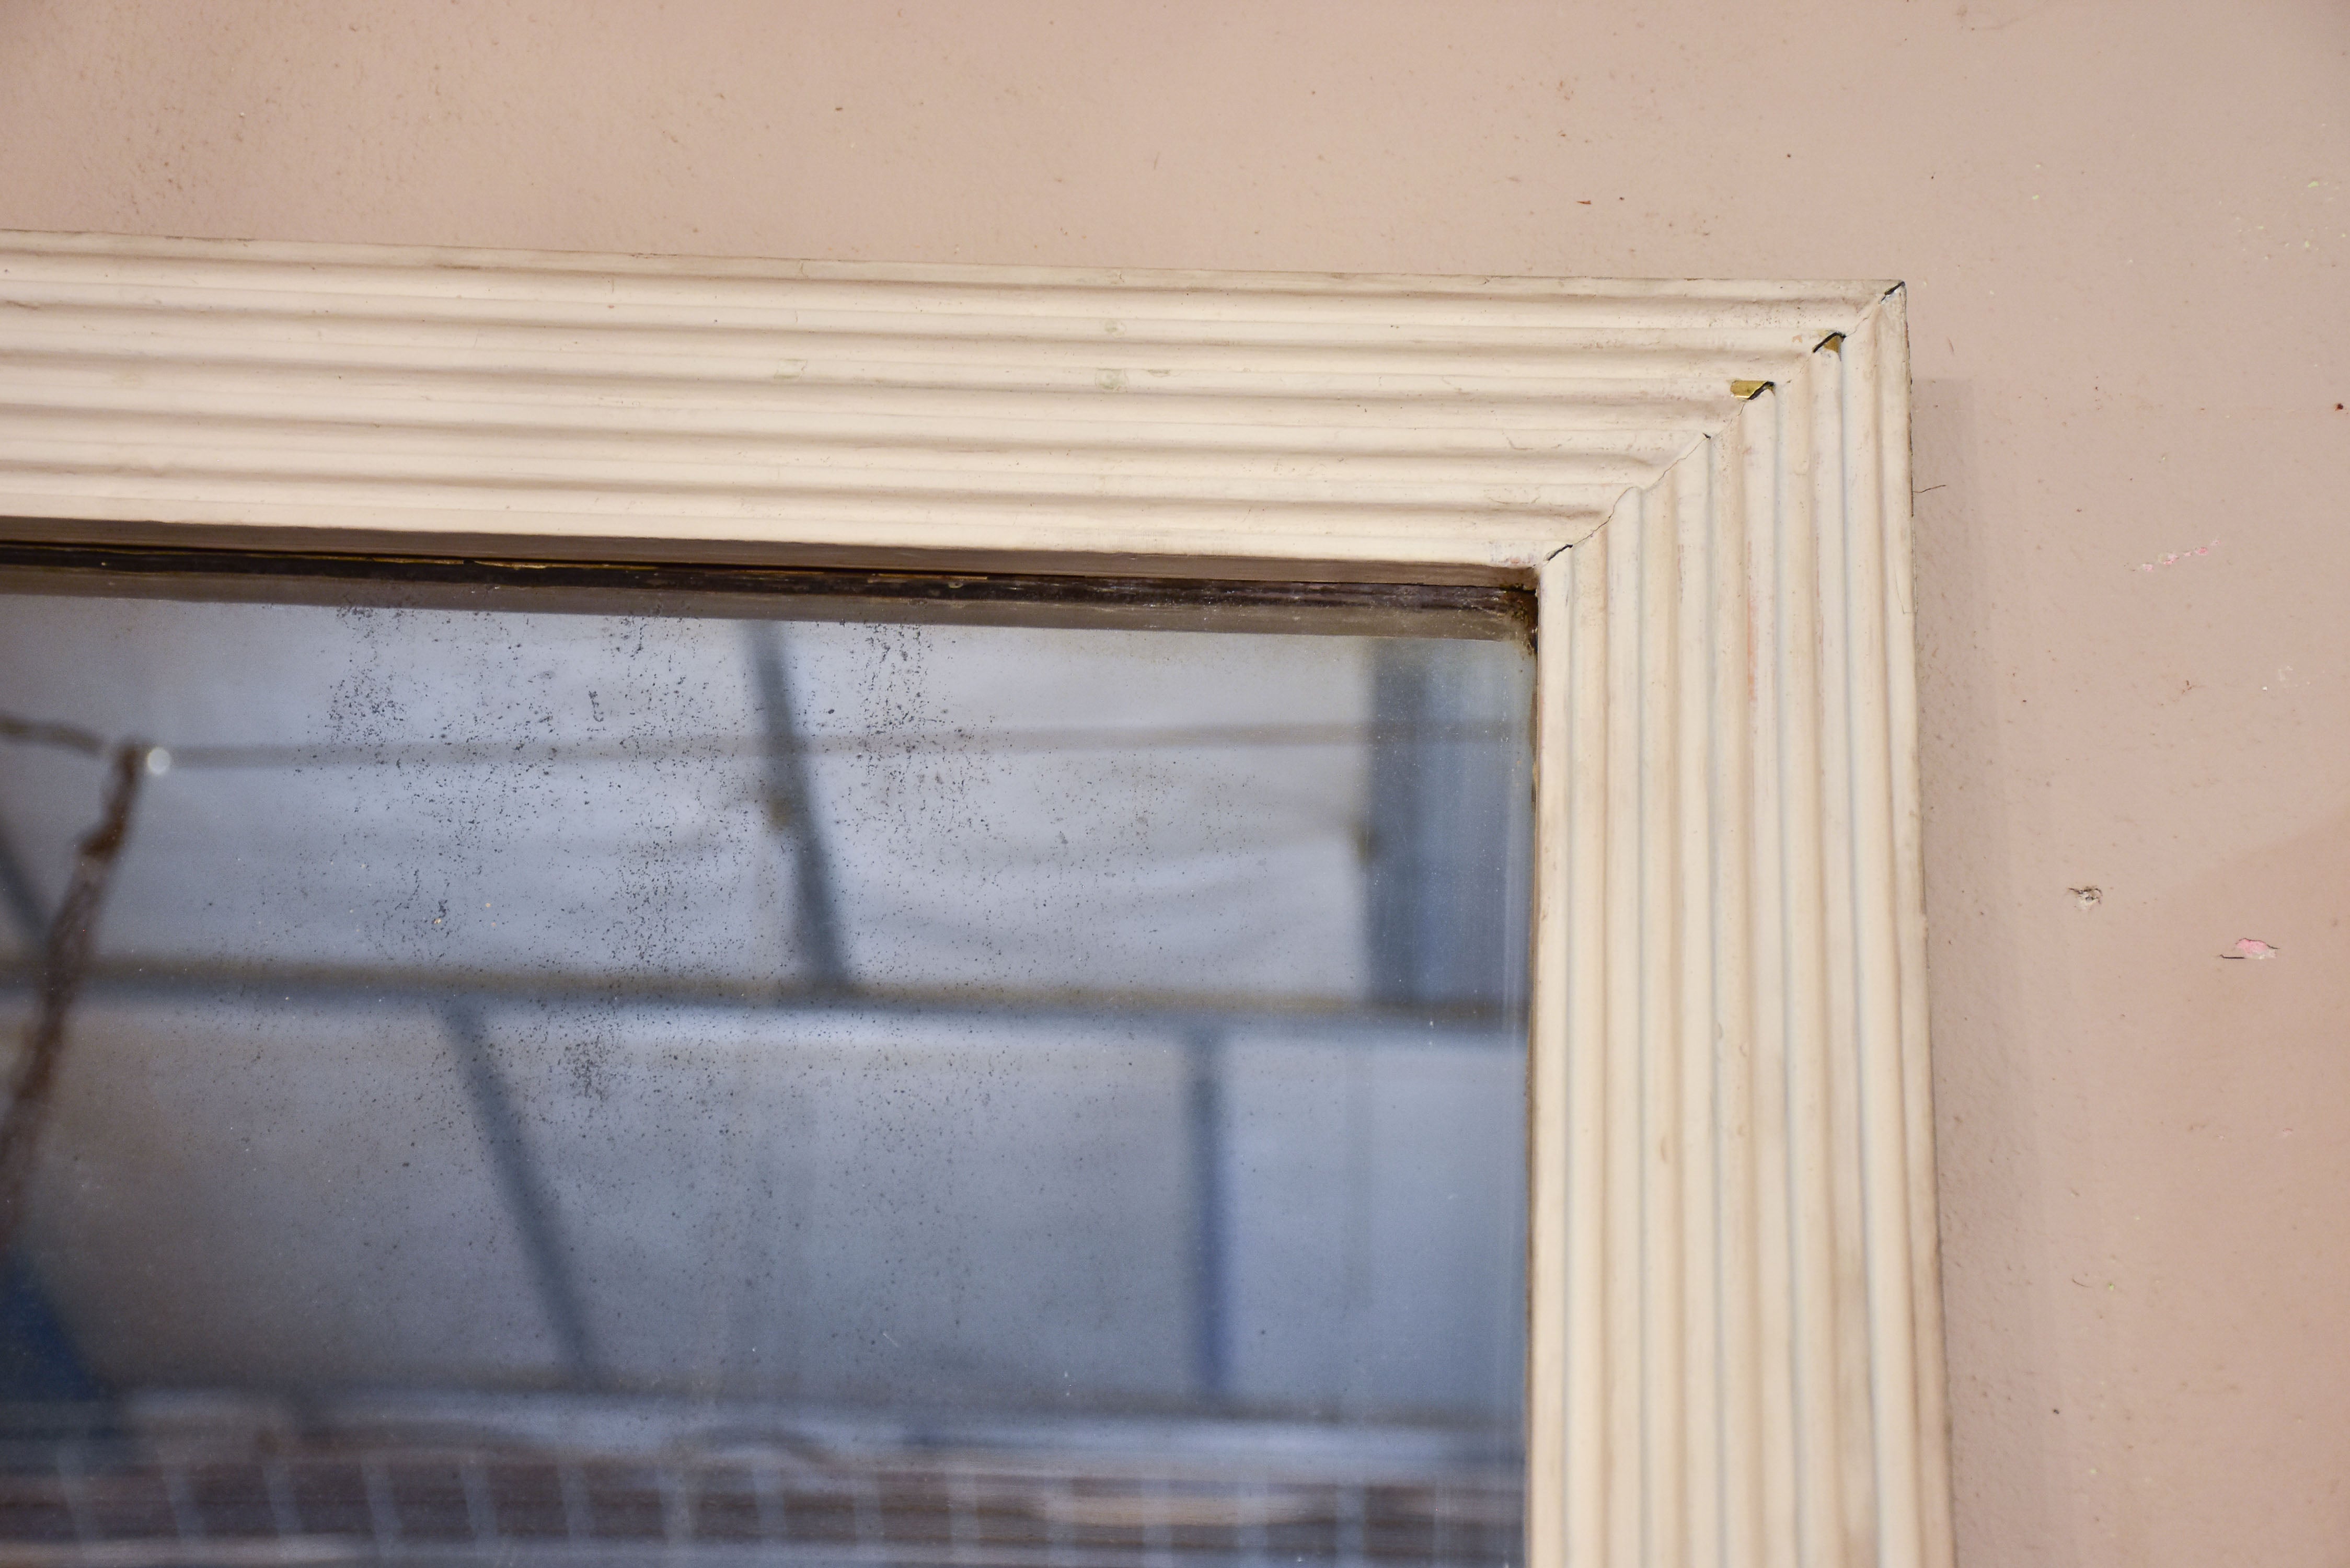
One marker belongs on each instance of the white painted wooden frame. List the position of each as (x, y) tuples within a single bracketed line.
[(1735, 1352)]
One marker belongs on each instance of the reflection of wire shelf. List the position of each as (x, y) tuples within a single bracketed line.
[(99, 1499)]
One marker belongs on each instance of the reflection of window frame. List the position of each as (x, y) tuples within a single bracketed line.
[(1735, 1350)]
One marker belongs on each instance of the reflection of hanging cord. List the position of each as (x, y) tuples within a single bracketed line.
[(722, 748), (883, 743), (41, 732), (65, 957)]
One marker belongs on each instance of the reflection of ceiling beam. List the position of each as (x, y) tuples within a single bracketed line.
[(1210, 1229), (527, 1200), (1450, 825), (790, 806), (135, 977)]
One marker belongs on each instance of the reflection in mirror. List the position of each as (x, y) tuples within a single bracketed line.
[(514, 1085)]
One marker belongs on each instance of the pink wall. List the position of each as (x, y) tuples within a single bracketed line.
[(2124, 227)]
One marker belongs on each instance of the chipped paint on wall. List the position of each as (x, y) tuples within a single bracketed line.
[(2175, 556)]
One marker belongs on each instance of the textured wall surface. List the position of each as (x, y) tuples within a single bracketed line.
[(2124, 229)]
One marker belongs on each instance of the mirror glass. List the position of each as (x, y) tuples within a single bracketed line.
[(613, 1084)]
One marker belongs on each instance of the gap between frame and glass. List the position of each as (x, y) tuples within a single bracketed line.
[(1278, 1108)]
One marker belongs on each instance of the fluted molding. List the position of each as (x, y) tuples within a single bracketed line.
[(1735, 1198), (1736, 1347), (1463, 427)]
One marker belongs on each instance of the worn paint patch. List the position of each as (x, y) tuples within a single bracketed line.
[(2176, 556), (2251, 948)]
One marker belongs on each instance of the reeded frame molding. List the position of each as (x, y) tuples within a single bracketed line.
[(1740, 1220), (1736, 1346)]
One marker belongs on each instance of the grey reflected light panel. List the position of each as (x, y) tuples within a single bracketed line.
[(687, 1084)]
